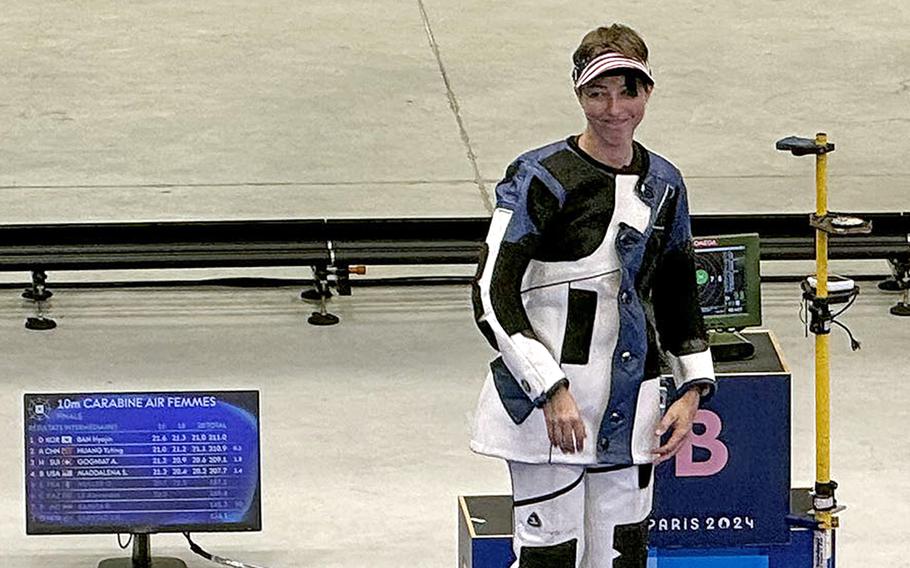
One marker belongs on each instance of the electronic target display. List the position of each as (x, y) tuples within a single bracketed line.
[(721, 280), (142, 462), (729, 281)]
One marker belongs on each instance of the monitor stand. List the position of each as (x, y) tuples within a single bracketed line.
[(730, 346), (142, 557)]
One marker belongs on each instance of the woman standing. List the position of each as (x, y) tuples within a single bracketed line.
[(586, 282)]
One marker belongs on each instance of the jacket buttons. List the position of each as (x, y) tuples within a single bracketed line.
[(647, 192), (626, 356), (625, 297), (525, 385), (616, 417), (603, 444)]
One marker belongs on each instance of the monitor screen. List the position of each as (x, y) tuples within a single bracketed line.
[(729, 280), (142, 462)]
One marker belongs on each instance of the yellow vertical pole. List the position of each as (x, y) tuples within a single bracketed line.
[(822, 364)]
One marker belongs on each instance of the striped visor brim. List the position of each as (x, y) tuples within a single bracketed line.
[(607, 62)]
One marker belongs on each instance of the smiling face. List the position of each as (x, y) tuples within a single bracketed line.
[(614, 107)]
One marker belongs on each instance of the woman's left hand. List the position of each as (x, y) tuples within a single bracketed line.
[(679, 418)]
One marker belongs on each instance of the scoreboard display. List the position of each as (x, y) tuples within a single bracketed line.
[(142, 462)]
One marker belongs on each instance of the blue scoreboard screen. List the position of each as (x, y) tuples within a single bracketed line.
[(142, 462)]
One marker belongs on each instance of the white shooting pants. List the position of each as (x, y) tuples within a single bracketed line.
[(570, 516)]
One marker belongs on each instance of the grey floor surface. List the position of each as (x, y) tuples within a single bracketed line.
[(170, 110), (365, 425)]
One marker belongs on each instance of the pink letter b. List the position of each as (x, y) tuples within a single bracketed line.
[(685, 464)]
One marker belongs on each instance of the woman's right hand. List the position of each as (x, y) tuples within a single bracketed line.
[(564, 425)]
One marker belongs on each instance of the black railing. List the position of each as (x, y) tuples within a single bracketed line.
[(314, 242)]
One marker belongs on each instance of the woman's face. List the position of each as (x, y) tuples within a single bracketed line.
[(612, 110)]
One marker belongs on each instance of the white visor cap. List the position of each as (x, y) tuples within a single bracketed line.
[(607, 62)]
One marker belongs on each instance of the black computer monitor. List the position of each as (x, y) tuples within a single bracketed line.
[(142, 462), (728, 274)]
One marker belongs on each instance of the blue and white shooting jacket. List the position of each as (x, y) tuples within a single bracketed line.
[(587, 277)]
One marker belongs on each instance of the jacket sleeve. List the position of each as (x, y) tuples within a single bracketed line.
[(676, 307), (524, 205)]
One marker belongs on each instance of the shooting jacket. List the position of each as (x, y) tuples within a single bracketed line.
[(586, 277)]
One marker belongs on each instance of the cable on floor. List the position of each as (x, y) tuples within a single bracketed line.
[(217, 559)]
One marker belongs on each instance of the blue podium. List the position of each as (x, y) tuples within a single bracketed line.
[(723, 501)]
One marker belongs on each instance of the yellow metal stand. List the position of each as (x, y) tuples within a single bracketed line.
[(825, 223), (823, 552)]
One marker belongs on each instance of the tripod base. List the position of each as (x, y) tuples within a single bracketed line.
[(891, 285), (319, 318), (159, 562), (40, 323)]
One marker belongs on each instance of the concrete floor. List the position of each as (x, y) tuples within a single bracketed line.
[(230, 110), (365, 425)]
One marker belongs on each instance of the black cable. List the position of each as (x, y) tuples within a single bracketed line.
[(121, 544), (196, 548), (854, 344), (217, 559), (849, 303)]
